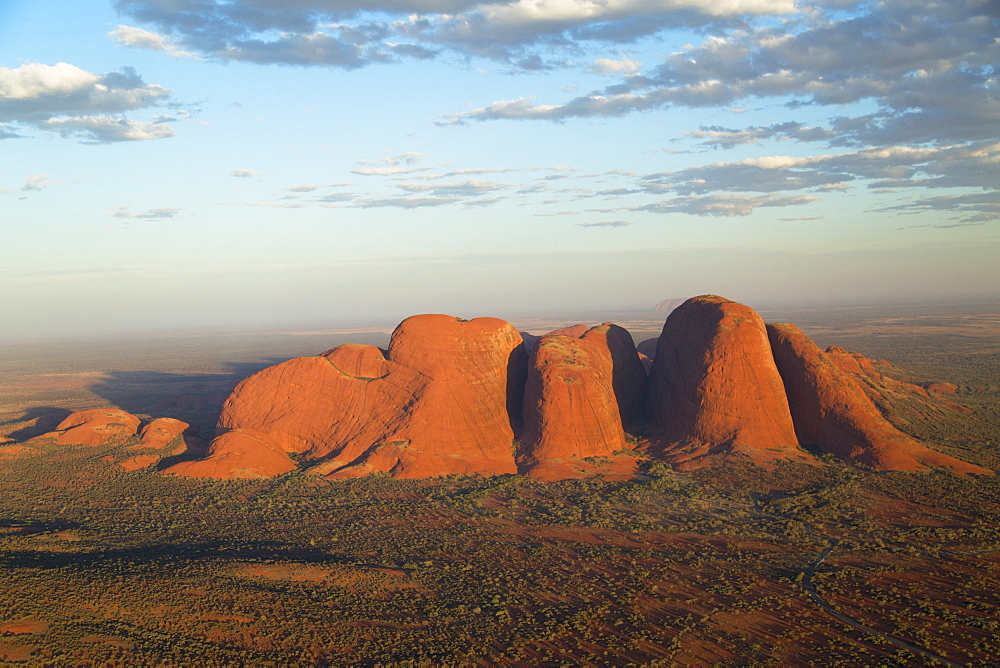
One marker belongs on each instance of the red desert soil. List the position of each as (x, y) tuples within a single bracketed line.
[(24, 626)]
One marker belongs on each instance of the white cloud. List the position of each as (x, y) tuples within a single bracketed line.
[(37, 81), (928, 68), (406, 202), (73, 102), (609, 66), (150, 214), (37, 182), (387, 171), (727, 205), (469, 188), (354, 33), (145, 39), (107, 129), (244, 173)]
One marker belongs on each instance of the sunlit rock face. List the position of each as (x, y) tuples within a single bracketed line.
[(444, 399), (583, 390), (451, 396), (714, 389), (170, 437), (240, 453), (832, 411), (94, 427), (467, 389)]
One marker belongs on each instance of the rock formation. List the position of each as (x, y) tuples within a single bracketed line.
[(170, 436), (451, 396), (833, 413), (580, 396), (93, 427), (138, 462), (462, 418), (941, 388), (444, 399), (240, 453), (668, 305), (714, 388)]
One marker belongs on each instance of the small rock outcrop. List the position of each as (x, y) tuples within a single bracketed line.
[(832, 412), (240, 453), (714, 388), (170, 436), (94, 427)]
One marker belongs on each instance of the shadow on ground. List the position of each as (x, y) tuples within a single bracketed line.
[(195, 398), (44, 418)]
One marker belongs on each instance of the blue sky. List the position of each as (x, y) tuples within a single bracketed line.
[(200, 163)]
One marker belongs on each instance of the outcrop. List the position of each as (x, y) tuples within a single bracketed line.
[(450, 396), (941, 388), (444, 399), (899, 399), (462, 417), (94, 427), (833, 413), (668, 305), (137, 462), (581, 393), (240, 453), (714, 388), (170, 436)]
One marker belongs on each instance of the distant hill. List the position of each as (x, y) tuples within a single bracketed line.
[(668, 305)]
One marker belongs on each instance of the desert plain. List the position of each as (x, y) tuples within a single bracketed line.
[(723, 565)]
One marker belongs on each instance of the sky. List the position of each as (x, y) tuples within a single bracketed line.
[(172, 164)]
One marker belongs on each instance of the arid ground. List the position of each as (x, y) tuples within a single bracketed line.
[(733, 566)]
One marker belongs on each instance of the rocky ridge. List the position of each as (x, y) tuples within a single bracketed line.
[(450, 396)]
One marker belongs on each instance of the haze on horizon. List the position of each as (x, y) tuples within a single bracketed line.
[(209, 163)]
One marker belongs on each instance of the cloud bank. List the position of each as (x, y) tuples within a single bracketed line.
[(909, 88), (73, 102), (349, 34)]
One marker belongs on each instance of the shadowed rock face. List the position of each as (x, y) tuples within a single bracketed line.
[(714, 388), (832, 411), (577, 392), (94, 427)]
